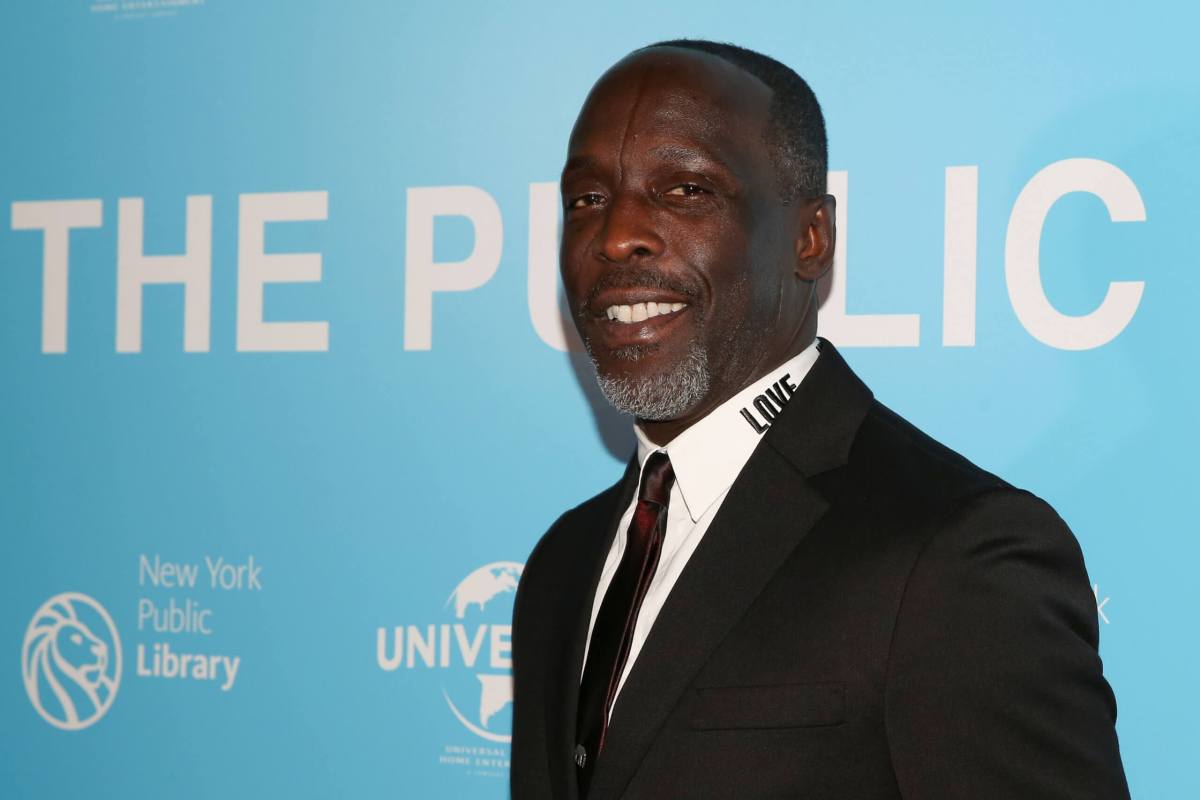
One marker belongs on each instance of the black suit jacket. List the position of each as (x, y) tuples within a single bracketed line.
[(868, 616)]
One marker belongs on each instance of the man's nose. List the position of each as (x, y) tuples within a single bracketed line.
[(629, 232)]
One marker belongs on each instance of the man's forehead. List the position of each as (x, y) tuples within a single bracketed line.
[(672, 86)]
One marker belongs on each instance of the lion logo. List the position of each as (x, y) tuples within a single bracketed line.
[(71, 661)]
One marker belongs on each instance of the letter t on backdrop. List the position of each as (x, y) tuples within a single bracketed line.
[(56, 218)]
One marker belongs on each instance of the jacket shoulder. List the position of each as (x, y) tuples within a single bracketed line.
[(558, 552), (891, 452), (561, 532)]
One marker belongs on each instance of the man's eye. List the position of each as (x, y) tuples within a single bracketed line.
[(585, 200), (686, 190)]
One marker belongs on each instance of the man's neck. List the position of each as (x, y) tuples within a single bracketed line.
[(662, 432)]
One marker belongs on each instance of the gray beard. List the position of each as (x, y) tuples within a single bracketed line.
[(660, 397)]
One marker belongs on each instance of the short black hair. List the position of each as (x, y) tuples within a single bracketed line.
[(795, 133)]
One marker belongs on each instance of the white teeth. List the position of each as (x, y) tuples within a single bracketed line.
[(640, 312)]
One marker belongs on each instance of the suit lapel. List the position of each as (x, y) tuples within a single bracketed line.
[(595, 531), (768, 511), (763, 518)]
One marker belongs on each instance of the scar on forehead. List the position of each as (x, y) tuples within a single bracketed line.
[(639, 93)]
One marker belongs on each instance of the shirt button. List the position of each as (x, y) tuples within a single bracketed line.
[(580, 756)]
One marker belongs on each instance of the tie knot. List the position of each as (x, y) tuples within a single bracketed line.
[(657, 479)]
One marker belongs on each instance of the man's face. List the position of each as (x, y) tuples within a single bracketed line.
[(678, 255)]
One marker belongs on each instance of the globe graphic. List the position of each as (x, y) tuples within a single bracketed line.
[(482, 700)]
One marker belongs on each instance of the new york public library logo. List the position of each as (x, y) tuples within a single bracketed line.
[(471, 652), (71, 661), (71, 656)]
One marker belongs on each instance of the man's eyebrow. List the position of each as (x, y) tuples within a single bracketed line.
[(686, 155), (579, 163), (674, 153)]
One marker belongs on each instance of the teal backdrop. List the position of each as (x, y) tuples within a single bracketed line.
[(285, 396)]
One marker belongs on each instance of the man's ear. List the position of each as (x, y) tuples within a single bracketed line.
[(817, 237)]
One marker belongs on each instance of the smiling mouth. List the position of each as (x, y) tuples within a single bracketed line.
[(640, 312)]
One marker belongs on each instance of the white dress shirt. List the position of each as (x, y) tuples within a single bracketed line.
[(706, 458)]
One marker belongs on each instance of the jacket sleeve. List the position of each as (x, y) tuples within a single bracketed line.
[(995, 687), (528, 771)]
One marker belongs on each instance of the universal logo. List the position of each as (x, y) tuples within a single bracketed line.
[(141, 9), (471, 650), (71, 661)]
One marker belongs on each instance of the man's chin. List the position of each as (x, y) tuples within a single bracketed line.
[(653, 392), (619, 361)]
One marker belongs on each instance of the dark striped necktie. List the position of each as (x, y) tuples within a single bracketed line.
[(612, 633)]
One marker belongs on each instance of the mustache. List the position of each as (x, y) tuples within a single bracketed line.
[(641, 278)]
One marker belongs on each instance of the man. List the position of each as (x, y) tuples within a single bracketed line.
[(791, 592)]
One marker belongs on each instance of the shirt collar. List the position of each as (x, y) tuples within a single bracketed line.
[(708, 456)]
